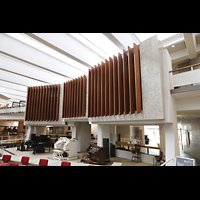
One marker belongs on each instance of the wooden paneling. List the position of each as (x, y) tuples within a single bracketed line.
[(131, 79), (125, 82), (106, 88), (74, 94), (120, 85), (112, 86), (43, 103), (138, 92), (111, 105), (102, 89), (83, 97), (89, 93), (115, 86), (99, 90)]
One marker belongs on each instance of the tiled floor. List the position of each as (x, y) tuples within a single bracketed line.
[(34, 158)]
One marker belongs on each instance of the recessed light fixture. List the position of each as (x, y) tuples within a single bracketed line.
[(173, 45)]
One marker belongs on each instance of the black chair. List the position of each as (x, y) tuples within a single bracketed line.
[(136, 152)]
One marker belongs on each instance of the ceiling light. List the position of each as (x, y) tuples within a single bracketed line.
[(173, 45)]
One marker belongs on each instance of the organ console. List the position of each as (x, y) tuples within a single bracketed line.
[(97, 154)]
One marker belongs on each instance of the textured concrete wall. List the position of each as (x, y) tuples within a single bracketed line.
[(152, 97)]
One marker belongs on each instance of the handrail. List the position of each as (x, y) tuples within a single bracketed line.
[(167, 161), (185, 68)]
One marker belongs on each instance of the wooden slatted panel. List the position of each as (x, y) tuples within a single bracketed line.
[(120, 85), (111, 104), (84, 96), (34, 104), (106, 88), (138, 92), (68, 92), (64, 100), (115, 86), (99, 90), (125, 82), (77, 97), (92, 94), (54, 103), (89, 93), (102, 89), (58, 102), (131, 81), (95, 91), (48, 102), (80, 102)]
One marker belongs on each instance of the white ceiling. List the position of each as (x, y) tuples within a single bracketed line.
[(32, 59)]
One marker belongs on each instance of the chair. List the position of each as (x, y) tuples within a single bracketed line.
[(24, 160), (136, 152), (13, 164), (6, 159), (43, 162), (64, 163)]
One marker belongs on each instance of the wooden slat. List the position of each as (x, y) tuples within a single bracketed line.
[(48, 102), (54, 102), (99, 90), (111, 104), (115, 86), (106, 88), (58, 102), (77, 96), (80, 97), (131, 81), (37, 103), (95, 91), (125, 82), (89, 93), (42, 105), (51, 103), (73, 103), (84, 96), (138, 92), (67, 90), (102, 88), (120, 85), (34, 103), (92, 94), (64, 100), (72, 99)]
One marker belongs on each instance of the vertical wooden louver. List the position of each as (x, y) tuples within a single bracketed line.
[(74, 97), (115, 86), (43, 103)]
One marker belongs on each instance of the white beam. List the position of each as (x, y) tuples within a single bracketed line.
[(38, 58), (19, 67), (179, 55), (190, 44), (172, 40), (69, 46)]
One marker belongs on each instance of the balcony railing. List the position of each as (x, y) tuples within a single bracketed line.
[(184, 76)]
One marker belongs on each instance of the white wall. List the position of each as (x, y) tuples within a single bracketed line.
[(193, 127)]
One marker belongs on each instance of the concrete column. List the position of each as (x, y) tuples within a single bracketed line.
[(29, 132), (40, 130), (103, 131), (83, 134)]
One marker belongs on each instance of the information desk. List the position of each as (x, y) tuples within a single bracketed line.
[(125, 143)]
